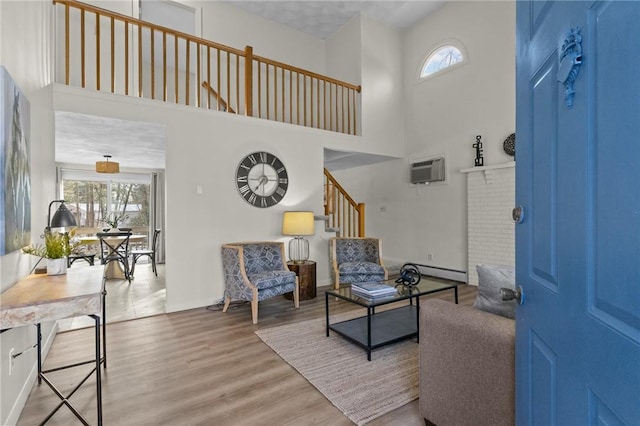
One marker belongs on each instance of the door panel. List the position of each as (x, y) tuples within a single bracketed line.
[(578, 248), (544, 390), (617, 307), (543, 173)]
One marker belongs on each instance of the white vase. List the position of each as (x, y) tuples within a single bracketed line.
[(57, 266)]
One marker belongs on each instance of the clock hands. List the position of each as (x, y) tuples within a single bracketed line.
[(261, 181)]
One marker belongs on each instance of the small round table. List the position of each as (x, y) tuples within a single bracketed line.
[(306, 272)]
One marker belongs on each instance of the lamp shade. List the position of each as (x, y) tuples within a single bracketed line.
[(107, 166), (298, 223), (62, 218)]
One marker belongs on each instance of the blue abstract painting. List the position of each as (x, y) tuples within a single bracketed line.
[(15, 176)]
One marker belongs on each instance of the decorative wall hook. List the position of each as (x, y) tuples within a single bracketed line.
[(570, 63)]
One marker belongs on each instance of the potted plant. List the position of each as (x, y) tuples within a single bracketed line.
[(57, 246), (113, 219)]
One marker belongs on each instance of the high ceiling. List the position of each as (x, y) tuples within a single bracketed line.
[(323, 18), (84, 139)]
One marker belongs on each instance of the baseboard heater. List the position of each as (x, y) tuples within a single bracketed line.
[(449, 274)]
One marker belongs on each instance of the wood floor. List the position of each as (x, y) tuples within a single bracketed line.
[(200, 367)]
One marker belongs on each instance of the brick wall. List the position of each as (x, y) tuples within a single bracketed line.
[(491, 231)]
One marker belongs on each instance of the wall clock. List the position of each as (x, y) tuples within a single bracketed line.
[(262, 179)]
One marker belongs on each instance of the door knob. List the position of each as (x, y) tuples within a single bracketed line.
[(509, 294)]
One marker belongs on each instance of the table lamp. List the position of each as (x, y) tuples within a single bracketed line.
[(298, 224)]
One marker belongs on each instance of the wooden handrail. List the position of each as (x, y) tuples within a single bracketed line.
[(218, 97), (342, 211), (109, 14), (307, 73), (221, 67)]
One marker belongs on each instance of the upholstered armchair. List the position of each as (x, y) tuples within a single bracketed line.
[(356, 260), (256, 271)]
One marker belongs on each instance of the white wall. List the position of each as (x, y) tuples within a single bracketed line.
[(232, 26), (383, 106), (442, 115), (204, 148), (491, 195), (28, 62)]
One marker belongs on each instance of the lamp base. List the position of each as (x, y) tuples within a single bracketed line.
[(298, 250)]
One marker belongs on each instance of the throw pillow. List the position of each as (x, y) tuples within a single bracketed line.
[(491, 278)]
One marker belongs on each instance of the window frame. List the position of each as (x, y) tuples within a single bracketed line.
[(142, 178), (451, 42)]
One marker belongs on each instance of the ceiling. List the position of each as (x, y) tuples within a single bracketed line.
[(323, 18), (84, 139)]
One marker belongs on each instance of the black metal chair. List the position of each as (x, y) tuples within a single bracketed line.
[(114, 247), (151, 253)]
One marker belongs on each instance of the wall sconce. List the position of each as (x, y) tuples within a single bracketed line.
[(298, 224)]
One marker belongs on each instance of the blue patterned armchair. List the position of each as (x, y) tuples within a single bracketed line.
[(356, 260), (256, 271)]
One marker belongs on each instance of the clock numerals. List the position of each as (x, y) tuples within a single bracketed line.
[(243, 179), (244, 189)]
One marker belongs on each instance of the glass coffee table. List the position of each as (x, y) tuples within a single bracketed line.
[(377, 329)]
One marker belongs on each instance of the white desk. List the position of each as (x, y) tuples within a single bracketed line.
[(39, 298)]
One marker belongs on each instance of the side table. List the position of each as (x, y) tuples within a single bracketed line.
[(306, 272)]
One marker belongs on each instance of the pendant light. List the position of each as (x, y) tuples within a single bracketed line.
[(107, 166)]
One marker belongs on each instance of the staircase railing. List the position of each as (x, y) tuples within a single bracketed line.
[(342, 212), (107, 51), (220, 101)]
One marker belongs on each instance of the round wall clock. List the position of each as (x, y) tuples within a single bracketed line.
[(262, 179)]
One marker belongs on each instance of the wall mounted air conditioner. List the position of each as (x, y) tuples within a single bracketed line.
[(427, 171)]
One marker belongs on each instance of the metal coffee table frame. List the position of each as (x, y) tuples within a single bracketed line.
[(390, 326)]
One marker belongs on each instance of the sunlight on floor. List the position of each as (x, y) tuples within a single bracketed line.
[(145, 296)]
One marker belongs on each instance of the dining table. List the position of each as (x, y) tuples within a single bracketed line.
[(113, 270)]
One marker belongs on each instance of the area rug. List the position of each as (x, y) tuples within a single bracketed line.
[(363, 390)]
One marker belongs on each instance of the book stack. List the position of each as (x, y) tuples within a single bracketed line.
[(373, 290)]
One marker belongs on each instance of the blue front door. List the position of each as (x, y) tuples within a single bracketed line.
[(578, 243)]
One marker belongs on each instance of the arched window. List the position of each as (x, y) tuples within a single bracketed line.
[(443, 57)]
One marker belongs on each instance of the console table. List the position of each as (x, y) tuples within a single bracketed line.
[(39, 298)]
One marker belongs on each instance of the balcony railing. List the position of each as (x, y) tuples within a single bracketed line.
[(107, 51)]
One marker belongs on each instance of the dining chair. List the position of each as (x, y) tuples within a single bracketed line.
[(151, 253), (114, 247)]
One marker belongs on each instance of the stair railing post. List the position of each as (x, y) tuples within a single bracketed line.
[(361, 219), (248, 81)]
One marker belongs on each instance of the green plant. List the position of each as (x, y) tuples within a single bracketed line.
[(56, 246), (113, 219)]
